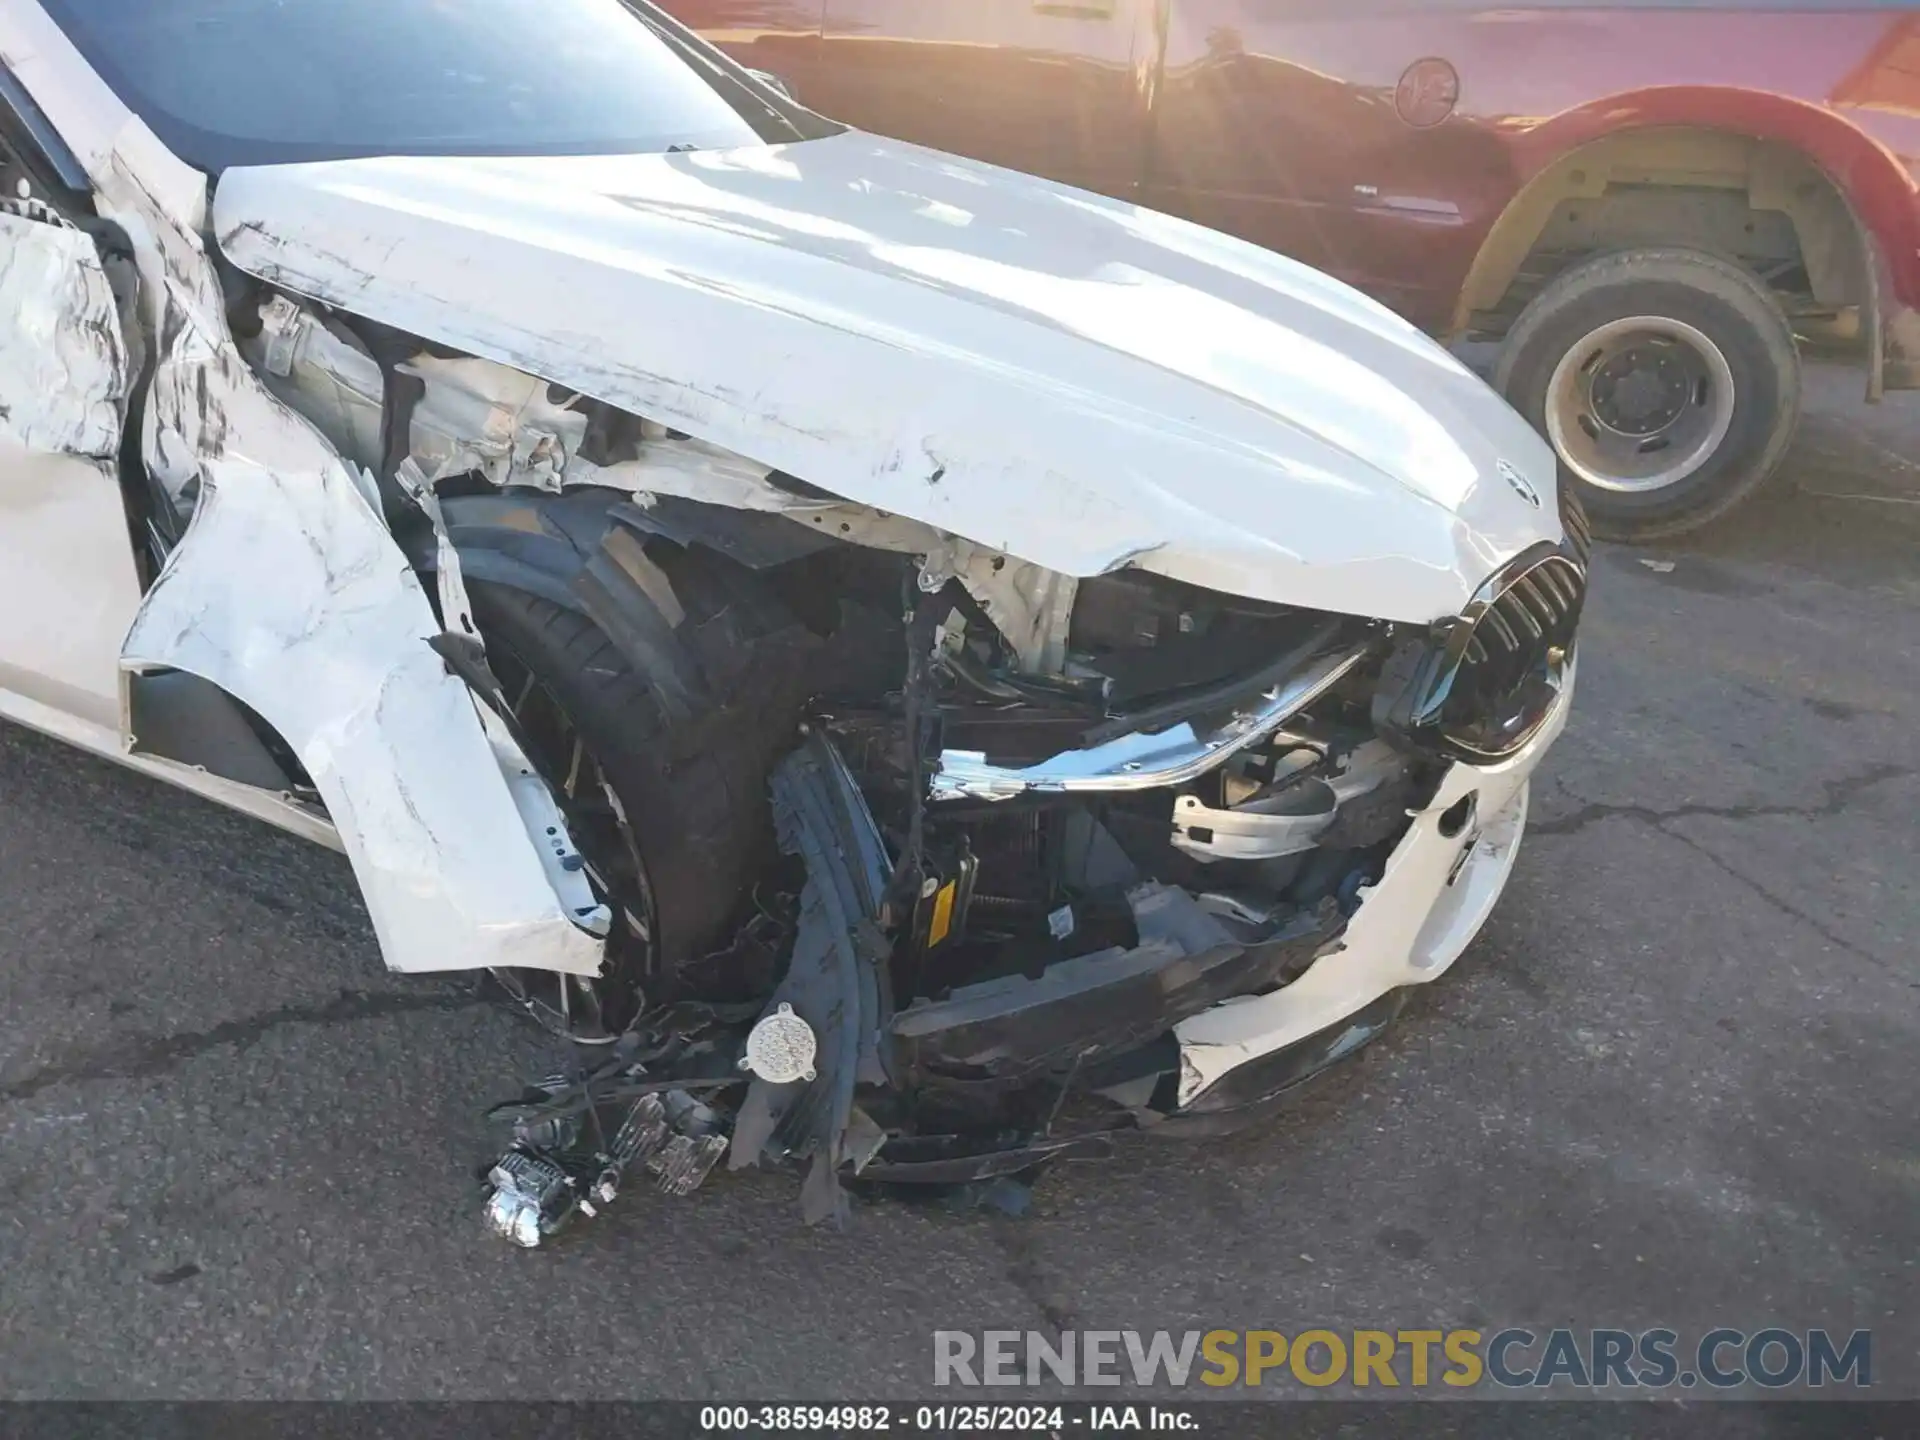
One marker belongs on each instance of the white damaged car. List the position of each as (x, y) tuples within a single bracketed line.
[(929, 668)]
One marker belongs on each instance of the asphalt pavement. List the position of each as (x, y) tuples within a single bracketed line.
[(1673, 1084)]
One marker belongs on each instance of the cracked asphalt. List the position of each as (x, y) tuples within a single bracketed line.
[(1673, 1083)]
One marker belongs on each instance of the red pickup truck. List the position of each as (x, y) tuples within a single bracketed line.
[(1645, 202)]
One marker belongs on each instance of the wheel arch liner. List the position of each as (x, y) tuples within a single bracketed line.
[(524, 539)]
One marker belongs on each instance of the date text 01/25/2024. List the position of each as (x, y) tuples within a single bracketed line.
[(945, 1419)]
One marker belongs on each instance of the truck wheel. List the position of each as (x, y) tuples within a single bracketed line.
[(1666, 380), (669, 810)]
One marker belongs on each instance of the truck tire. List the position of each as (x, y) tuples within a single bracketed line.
[(1667, 381), (666, 799)]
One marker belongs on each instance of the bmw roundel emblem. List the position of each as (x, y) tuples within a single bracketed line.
[(1521, 486)]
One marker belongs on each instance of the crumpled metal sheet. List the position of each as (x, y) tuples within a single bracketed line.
[(289, 593), (63, 526), (1183, 404), (63, 363)]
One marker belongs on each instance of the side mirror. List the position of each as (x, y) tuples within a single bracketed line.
[(774, 82)]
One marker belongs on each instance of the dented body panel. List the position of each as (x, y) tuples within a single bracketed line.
[(287, 593), (1136, 644), (290, 595), (63, 527), (1068, 379)]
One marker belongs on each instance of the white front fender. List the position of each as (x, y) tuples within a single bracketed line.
[(288, 593)]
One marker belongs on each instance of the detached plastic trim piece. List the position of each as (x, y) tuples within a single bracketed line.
[(1149, 761)]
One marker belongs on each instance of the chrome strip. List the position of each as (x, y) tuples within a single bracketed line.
[(1145, 762)]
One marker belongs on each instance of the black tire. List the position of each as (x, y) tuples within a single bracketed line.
[(692, 787), (1718, 299)]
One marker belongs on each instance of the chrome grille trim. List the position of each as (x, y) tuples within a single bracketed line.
[(1573, 520), (1477, 687)]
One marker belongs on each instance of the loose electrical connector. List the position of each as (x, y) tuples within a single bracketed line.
[(561, 1161)]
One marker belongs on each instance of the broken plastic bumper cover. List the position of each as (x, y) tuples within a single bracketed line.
[(989, 1065), (1251, 1092), (828, 1042)]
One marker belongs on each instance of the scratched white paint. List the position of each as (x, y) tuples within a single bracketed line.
[(1071, 380), (289, 593), (95, 123), (63, 362), (1408, 930), (480, 417), (67, 583)]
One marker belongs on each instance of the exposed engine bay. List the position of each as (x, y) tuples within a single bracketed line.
[(898, 704), (859, 848), (1022, 825), (968, 982)]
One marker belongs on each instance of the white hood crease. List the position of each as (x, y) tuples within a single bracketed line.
[(1066, 379)]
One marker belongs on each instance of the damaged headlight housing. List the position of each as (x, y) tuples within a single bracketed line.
[(1477, 687)]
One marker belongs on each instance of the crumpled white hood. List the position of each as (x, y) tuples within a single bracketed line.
[(1075, 381)]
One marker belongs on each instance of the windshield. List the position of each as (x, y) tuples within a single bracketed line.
[(262, 82)]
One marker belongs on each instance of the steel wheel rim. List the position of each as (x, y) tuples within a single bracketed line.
[(585, 1011), (1639, 404)]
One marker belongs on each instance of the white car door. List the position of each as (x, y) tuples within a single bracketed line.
[(68, 584)]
